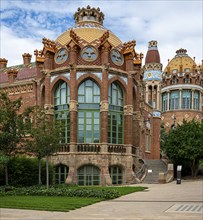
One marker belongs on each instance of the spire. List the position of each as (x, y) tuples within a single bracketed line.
[(152, 53)]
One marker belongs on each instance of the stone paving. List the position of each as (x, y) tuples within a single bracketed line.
[(159, 202)]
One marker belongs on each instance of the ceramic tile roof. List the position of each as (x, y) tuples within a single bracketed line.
[(24, 72)]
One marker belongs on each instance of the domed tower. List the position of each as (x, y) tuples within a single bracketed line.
[(153, 75), (90, 83), (152, 81), (181, 90)]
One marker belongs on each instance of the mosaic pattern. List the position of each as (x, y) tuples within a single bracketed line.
[(66, 75), (97, 74), (153, 75)]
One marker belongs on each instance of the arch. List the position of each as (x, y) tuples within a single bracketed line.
[(91, 77), (121, 83), (88, 175), (60, 173), (116, 174)]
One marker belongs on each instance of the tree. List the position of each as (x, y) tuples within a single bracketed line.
[(12, 129), (185, 143), (44, 139)]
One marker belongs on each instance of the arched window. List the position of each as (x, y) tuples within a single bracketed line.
[(174, 100), (196, 100), (186, 99), (116, 114), (89, 112), (61, 110), (88, 175), (164, 102), (174, 80), (61, 173), (116, 174), (187, 79)]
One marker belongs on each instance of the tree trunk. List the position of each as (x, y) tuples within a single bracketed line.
[(47, 171), (6, 173), (194, 168), (40, 171)]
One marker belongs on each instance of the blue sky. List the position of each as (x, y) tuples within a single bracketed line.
[(174, 24)]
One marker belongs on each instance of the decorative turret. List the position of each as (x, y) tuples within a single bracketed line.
[(152, 53), (89, 15)]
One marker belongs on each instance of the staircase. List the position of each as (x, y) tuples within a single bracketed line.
[(154, 167)]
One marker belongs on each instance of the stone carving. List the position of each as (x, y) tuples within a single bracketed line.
[(104, 106), (73, 106), (128, 110)]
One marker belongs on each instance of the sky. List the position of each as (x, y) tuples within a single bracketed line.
[(174, 24)]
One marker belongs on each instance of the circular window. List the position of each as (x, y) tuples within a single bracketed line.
[(61, 56), (89, 53), (117, 57)]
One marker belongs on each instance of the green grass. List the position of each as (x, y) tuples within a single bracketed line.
[(59, 203), (63, 204)]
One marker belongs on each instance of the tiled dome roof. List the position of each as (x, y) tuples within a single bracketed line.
[(89, 27), (180, 61)]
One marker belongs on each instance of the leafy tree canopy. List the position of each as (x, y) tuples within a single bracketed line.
[(185, 143)]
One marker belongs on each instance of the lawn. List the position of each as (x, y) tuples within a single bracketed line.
[(46, 203), (60, 203)]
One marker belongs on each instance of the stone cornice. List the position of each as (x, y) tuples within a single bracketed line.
[(181, 86)]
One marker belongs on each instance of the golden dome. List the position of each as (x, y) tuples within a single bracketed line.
[(180, 61), (89, 27), (88, 34)]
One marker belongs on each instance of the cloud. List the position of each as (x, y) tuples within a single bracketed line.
[(174, 24)]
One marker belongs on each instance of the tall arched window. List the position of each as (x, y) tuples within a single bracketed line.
[(61, 110), (186, 99), (88, 175), (116, 174), (116, 114), (88, 112)]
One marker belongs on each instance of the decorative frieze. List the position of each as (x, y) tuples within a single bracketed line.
[(18, 89)]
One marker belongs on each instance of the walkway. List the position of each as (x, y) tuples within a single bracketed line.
[(160, 202)]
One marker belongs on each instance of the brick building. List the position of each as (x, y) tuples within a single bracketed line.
[(91, 83)]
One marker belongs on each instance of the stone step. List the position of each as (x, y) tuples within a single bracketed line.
[(154, 167)]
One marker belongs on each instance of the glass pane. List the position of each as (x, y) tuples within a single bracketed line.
[(88, 94), (81, 89)]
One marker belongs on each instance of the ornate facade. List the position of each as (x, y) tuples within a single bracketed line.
[(177, 91), (91, 83)]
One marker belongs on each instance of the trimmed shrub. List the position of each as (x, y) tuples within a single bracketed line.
[(23, 171), (55, 191)]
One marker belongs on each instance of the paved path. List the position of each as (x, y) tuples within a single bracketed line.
[(160, 202)]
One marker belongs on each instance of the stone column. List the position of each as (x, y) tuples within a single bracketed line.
[(73, 105), (128, 112)]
